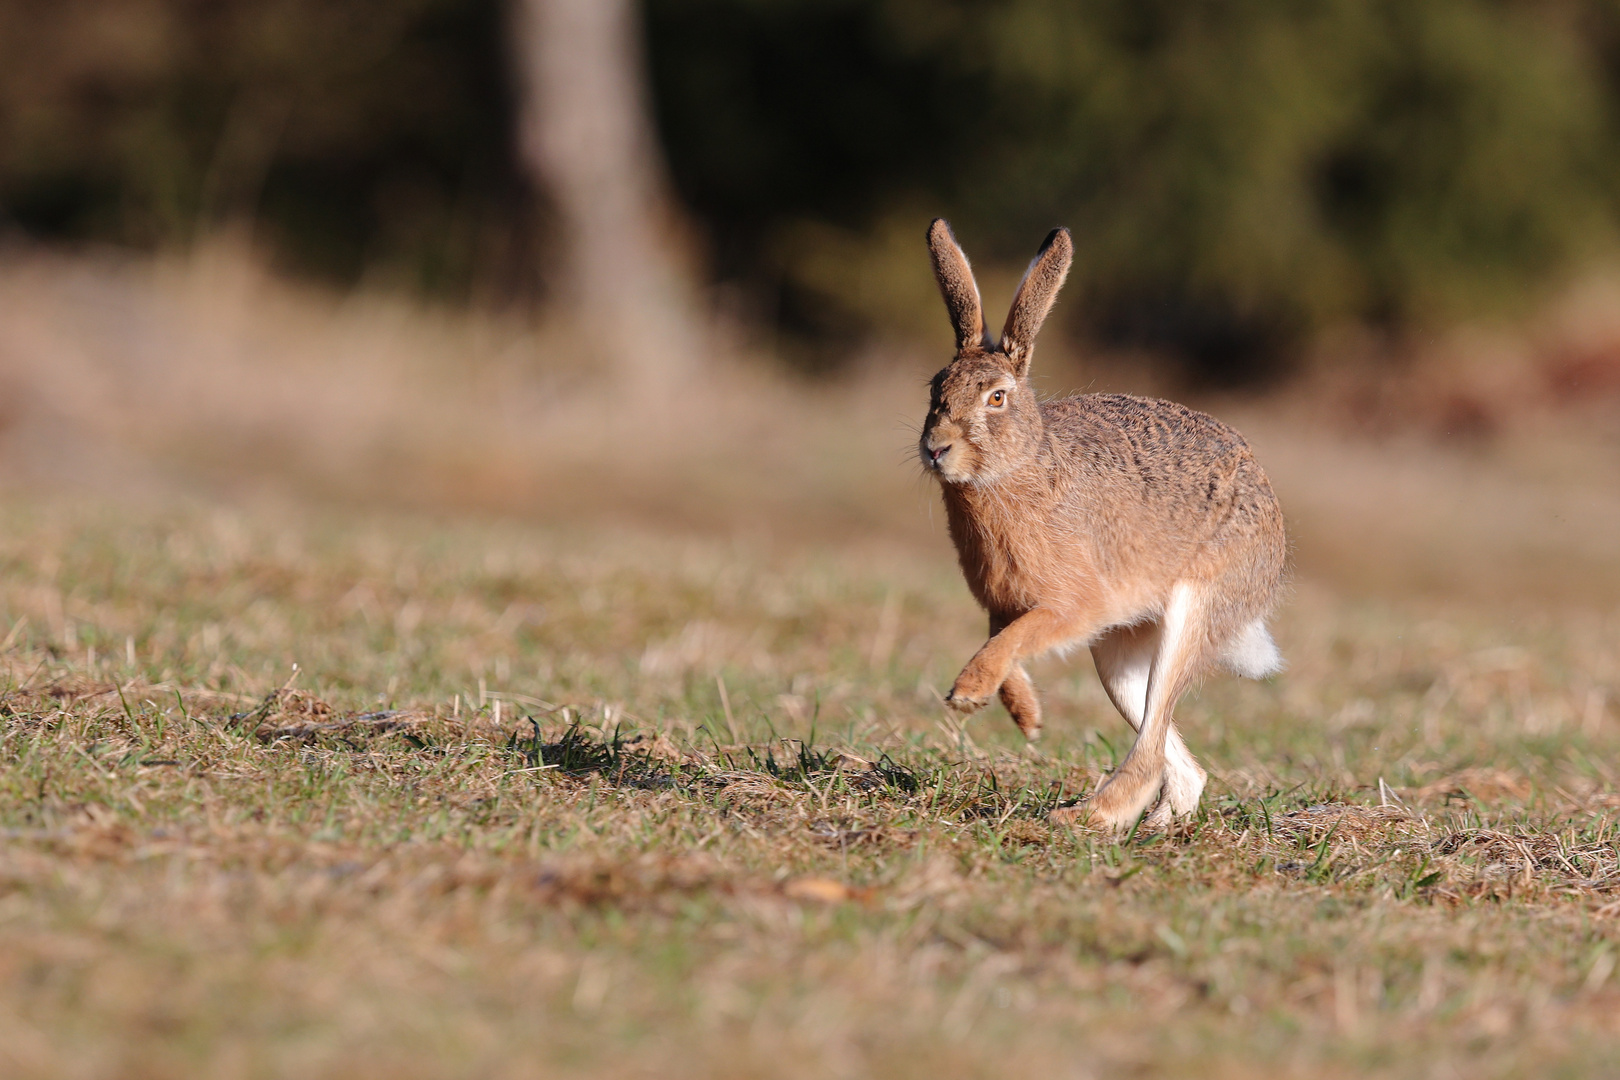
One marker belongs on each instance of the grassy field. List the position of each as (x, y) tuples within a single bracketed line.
[(307, 792), (380, 696)]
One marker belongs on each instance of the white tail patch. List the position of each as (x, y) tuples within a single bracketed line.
[(1251, 653)]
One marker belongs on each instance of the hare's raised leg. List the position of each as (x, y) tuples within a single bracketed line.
[(1030, 634), (1124, 658), (1131, 788), (1018, 694)]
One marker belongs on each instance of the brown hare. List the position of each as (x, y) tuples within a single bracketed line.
[(1137, 527)]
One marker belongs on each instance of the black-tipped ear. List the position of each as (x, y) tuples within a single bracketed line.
[(1036, 294), (956, 284)]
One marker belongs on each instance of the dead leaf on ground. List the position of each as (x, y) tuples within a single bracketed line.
[(820, 890)]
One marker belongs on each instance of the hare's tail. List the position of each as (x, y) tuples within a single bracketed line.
[(1251, 653)]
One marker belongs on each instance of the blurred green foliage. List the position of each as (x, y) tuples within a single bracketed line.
[(359, 136), (1238, 173)]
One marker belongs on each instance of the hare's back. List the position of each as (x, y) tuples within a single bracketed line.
[(1159, 439), (1177, 460), (1156, 483)]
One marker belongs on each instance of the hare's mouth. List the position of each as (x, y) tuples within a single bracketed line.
[(954, 462)]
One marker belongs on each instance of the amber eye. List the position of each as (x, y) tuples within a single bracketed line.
[(998, 398)]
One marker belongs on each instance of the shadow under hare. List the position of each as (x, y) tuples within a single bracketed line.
[(1137, 527)]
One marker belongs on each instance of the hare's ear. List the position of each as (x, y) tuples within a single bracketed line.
[(1036, 294), (956, 284)]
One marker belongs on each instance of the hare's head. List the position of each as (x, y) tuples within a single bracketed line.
[(983, 419)]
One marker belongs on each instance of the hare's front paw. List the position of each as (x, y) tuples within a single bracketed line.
[(974, 687), (1022, 705), (972, 690), (966, 702)]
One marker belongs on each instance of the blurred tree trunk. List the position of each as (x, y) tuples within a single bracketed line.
[(589, 144)]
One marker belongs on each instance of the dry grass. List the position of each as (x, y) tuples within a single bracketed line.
[(648, 775), (506, 823)]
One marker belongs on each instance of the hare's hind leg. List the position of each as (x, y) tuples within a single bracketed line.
[(1180, 650), (1124, 658)]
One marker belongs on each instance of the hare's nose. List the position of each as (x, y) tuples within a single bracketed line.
[(937, 452)]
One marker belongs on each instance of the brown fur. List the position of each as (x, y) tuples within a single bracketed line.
[(956, 282), (1140, 528)]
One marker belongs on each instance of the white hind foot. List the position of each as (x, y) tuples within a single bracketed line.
[(1184, 778), (1183, 786), (1124, 658), (1111, 808), (1161, 818)]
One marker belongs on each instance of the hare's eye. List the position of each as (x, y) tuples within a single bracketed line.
[(997, 399)]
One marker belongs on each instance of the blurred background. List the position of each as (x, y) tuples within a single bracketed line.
[(661, 262)]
